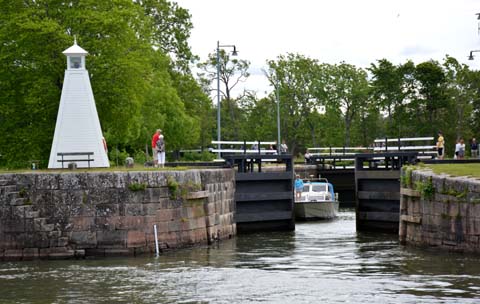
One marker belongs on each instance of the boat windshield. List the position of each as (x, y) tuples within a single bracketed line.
[(320, 188)]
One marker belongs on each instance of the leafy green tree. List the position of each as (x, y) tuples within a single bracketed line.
[(430, 98), (295, 75), (461, 95), (347, 89), (390, 91), (260, 121), (474, 86), (199, 107), (171, 30), (133, 82), (232, 71)]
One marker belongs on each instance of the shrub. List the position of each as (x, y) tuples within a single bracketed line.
[(117, 157), (195, 156)]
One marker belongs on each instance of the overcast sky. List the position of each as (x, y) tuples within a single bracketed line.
[(358, 32)]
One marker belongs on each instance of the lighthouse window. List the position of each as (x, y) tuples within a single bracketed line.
[(75, 62)]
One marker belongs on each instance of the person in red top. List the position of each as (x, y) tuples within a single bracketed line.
[(154, 146)]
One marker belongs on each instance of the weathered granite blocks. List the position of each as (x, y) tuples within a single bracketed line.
[(77, 214), (450, 218)]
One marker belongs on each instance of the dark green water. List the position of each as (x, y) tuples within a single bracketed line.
[(320, 262)]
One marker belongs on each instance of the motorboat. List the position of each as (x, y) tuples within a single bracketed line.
[(318, 201)]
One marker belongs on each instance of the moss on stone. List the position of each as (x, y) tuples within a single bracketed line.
[(137, 186)]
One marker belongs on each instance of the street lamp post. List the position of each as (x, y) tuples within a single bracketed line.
[(470, 57), (278, 117), (234, 53)]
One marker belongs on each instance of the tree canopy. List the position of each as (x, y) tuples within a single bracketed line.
[(139, 63)]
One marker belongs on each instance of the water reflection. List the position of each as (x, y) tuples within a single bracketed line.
[(322, 261)]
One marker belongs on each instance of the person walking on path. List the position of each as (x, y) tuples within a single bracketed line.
[(161, 151), (440, 146), (474, 148), (154, 147), (298, 187)]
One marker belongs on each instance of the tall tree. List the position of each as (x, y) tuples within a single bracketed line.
[(126, 72), (461, 95), (232, 71), (295, 75), (171, 30), (347, 89), (430, 97), (389, 92)]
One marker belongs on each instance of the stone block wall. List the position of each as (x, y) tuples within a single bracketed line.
[(78, 214), (440, 211)]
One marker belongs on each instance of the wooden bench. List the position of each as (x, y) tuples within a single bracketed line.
[(63, 154)]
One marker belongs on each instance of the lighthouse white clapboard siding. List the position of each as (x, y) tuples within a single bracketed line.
[(78, 126)]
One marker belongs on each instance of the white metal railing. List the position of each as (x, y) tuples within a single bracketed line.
[(243, 148), (407, 144), (379, 140), (224, 142), (337, 151)]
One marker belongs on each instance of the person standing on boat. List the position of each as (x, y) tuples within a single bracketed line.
[(298, 187)]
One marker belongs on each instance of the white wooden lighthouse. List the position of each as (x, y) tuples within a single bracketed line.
[(78, 127)]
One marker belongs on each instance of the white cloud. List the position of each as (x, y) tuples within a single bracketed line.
[(357, 32)]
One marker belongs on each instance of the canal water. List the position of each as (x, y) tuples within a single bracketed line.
[(326, 262)]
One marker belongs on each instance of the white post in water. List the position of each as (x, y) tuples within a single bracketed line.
[(156, 240)]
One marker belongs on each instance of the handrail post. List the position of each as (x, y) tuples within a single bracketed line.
[(258, 147), (386, 144), (399, 144), (244, 146)]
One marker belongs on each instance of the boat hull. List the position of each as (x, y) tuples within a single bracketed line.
[(323, 210)]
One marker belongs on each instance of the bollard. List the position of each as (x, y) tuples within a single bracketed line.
[(129, 162)]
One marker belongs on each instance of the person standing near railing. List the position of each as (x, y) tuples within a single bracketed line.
[(440, 146), (283, 148), (460, 149), (474, 148), (307, 157)]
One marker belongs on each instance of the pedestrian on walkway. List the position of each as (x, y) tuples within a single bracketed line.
[(154, 147), (440, 146), (474, 148)]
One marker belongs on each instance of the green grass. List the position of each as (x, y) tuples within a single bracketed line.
[(472, 170)]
